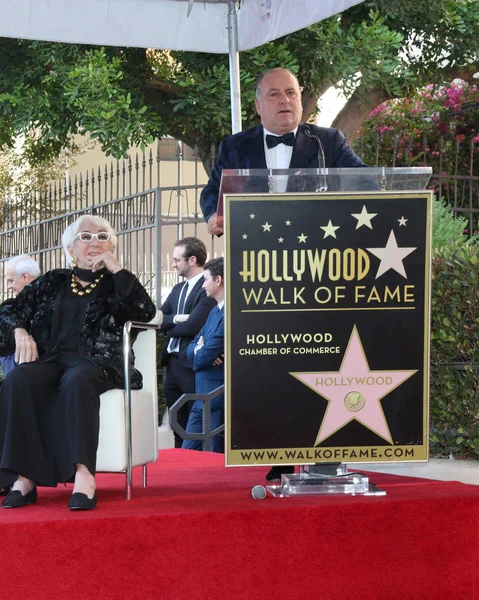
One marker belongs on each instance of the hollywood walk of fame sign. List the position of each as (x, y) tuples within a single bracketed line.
[(327, 320)]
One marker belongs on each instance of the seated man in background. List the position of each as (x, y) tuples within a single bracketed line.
[(20, 271), (207, 353)]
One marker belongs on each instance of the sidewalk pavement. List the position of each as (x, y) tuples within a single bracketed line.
[(165, 435), (466, 471)]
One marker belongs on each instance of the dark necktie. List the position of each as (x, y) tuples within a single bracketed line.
[(181, 301), (174, 344), (273, 140)]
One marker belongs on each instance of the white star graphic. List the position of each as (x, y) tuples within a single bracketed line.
[(288, 223), (245, 236), (391, 256), (302, 238), (364, 218), (354, 392), (402, 222), (329, 229), (266, 227), (252, 216), (280, 240)]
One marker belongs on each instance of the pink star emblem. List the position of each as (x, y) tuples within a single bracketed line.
[(354, 392)]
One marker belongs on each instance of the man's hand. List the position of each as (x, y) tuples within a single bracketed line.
[(215, 225), (180, 319), (218, 361), (199, 344), (25, 346)]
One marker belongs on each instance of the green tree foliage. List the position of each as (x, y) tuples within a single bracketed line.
[(19, 186), (448, 231), (375, 50)]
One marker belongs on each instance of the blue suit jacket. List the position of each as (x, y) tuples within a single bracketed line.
[(208, 376), (245, 150), (198, 306)]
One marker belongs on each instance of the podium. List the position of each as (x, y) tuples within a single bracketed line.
[(327, 321), (259, 181)]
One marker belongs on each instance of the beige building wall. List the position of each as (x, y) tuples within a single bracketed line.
[(91, 158)]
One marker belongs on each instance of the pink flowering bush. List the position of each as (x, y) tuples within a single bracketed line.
[(438, 127)]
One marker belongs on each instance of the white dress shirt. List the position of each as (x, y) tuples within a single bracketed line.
[(278, 157), (174, 343)]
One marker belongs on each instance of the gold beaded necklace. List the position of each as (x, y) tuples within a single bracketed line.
[(86, 290)]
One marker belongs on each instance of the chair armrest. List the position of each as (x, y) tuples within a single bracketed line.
[(153, 324), (127, 327)]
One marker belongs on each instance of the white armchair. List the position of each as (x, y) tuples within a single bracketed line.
[(129, 418)]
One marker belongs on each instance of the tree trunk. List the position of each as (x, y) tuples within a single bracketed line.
[(310, 102), (206, 153), (356, 110)]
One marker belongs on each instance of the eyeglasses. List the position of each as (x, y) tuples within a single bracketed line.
[(87, 236)]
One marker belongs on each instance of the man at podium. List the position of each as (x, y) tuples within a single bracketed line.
[(280, 142)]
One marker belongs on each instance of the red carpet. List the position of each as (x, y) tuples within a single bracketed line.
[(196, 534)]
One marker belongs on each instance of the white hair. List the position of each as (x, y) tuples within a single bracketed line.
[(24, 263), (72, 229)]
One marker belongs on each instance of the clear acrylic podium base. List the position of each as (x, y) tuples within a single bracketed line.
[(330, 478)]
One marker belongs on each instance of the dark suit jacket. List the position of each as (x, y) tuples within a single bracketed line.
[(208, 376), (245, 150), (198, 306), (119, 298)]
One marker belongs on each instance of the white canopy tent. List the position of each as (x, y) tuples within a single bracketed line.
[(218, 26)]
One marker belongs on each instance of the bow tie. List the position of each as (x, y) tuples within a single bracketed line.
[(273, 140)]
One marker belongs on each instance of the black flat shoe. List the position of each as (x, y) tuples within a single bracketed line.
[(16, 499), (274, 474), (4, 491), (80, 501)]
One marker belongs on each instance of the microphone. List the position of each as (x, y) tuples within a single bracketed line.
[(258, 492), (321, 160)]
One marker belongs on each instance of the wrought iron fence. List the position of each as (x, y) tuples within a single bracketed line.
[(152, 199), (147, 216), (454, 160)]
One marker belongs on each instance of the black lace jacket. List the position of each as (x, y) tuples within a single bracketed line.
[(119, 298)]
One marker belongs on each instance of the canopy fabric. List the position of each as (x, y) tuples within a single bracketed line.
[(161, 23)]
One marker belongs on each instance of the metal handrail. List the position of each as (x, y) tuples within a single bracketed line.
[(207, 434)]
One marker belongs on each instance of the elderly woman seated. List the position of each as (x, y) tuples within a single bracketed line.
[(66, 331)]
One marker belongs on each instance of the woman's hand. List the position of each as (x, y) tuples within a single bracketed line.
[(106, 260), (25, 346)]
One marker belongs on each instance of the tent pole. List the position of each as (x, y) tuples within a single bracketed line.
[(235, 89)]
